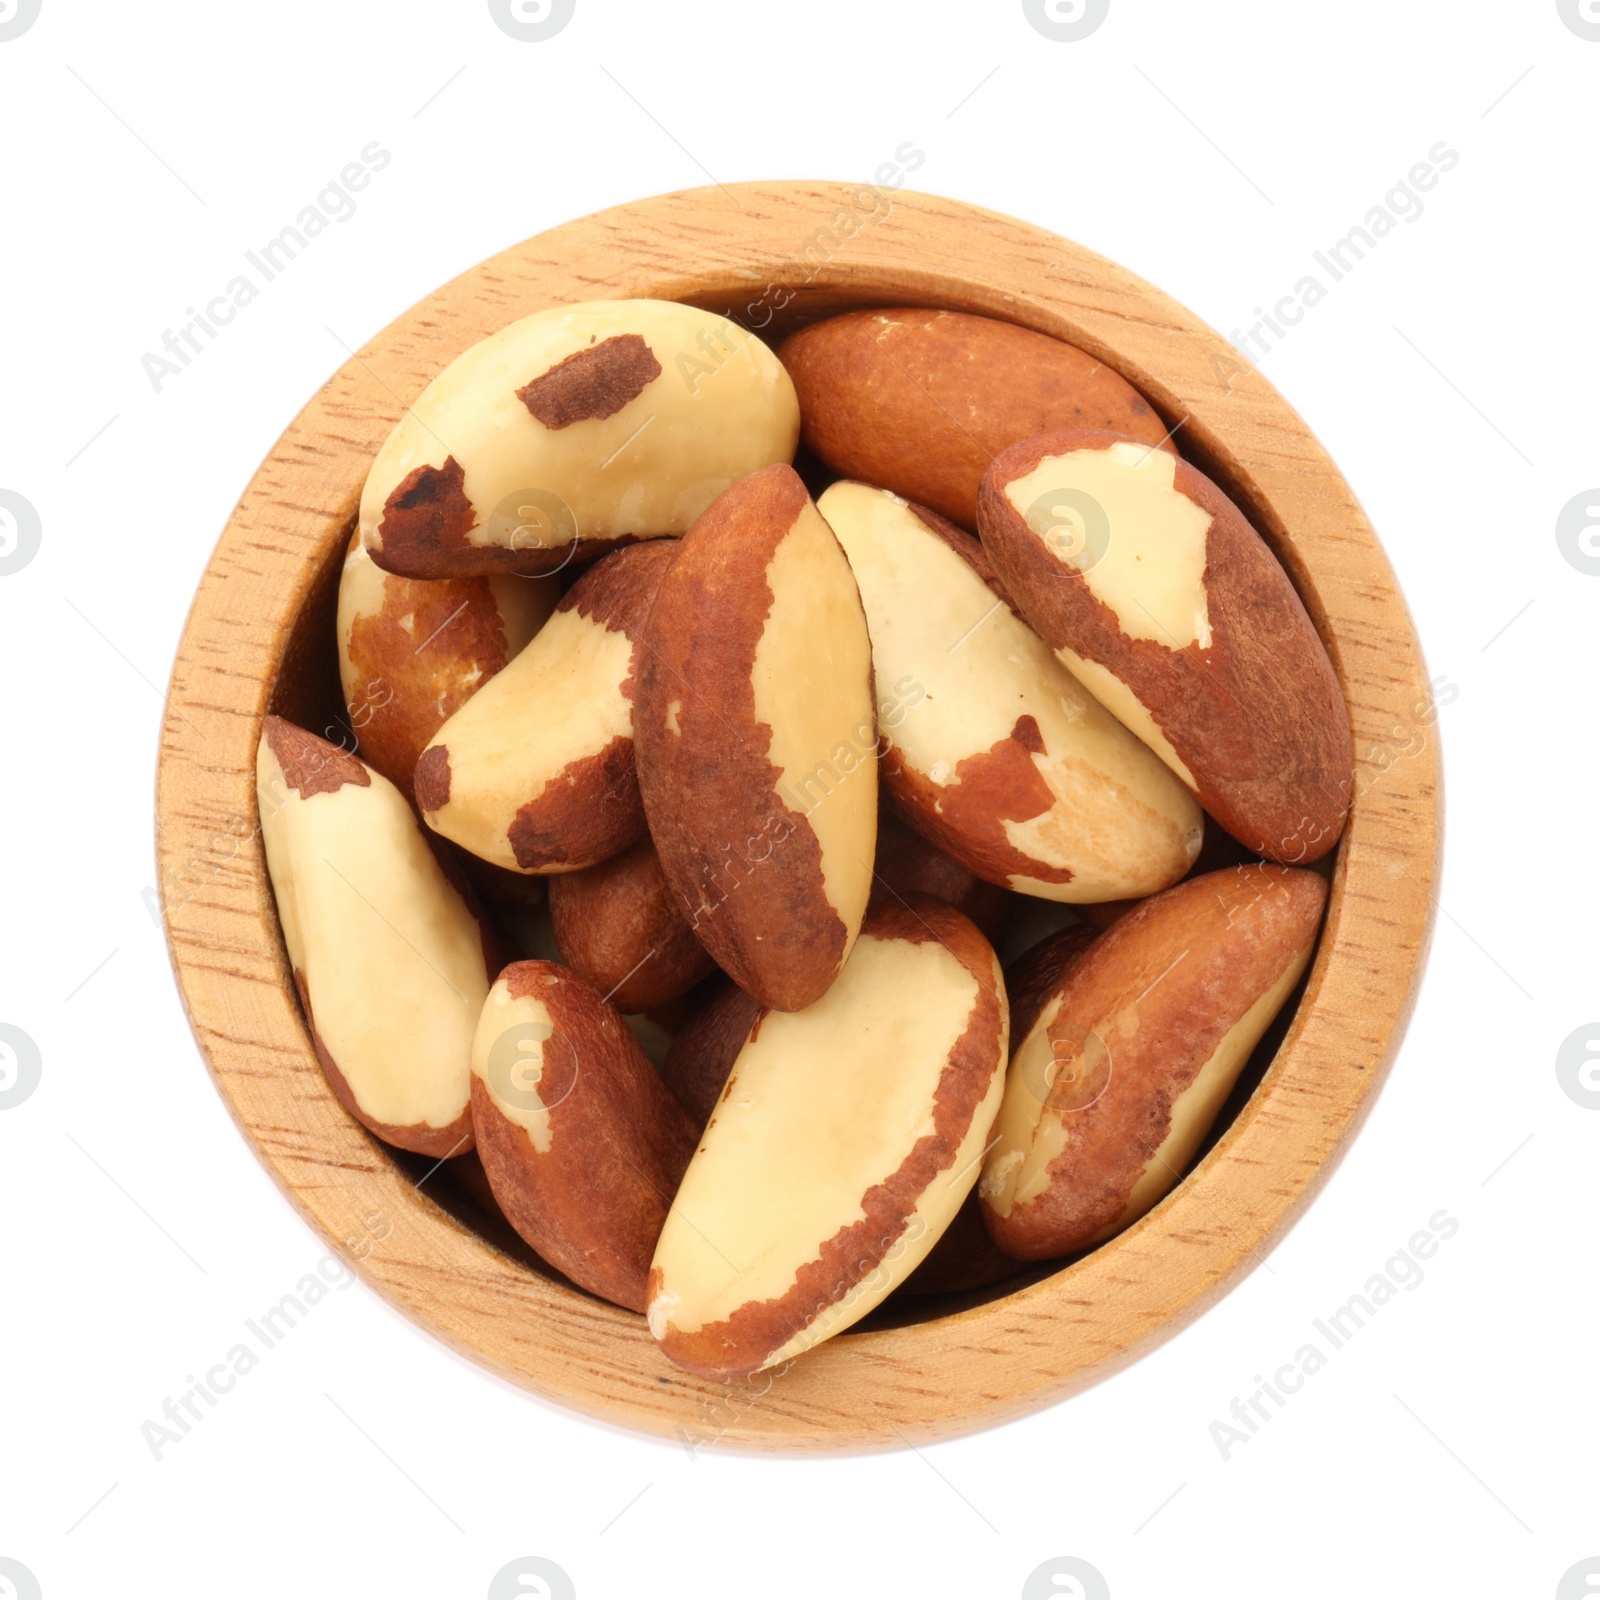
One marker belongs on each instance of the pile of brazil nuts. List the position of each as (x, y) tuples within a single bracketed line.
[(654, 749)]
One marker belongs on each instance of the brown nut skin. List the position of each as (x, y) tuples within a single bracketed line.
[(919, 401), (618, 926), (908, 864), (591, 1202), (1256, 719), (708, 1043), (757, 739), (412, 653), (1112, 1090), (499, 783)]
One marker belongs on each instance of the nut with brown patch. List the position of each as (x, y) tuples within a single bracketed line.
[(390, 961), (757, 740), (846, 1140), (581, 1141), (574, 430), (1003, 760), (536, 772), (618, 926), (413, 652), (919, 401), (1131, 1057), (1150, 585)]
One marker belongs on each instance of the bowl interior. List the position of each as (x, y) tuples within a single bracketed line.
[(260, 637)]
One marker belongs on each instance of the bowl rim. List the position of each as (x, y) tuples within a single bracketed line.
[(785, 248)]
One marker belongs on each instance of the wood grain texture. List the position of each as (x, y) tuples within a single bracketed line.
[(260, 637)]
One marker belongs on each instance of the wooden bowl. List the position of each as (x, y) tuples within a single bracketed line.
[(260, 638)]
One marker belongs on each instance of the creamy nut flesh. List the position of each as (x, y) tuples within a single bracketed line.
[(1027, 1137), (559, 701), (1030, 1135), (722, 406), (391, 957), (516, 1054), (822, 1105), (1151, 569), (810, 678), (1118, 823)]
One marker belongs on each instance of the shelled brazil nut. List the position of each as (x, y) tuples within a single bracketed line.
[(1150, 584), (391, 962), (582, 1143), (536, 772), (1130, 1058), (571, 431), (758, 771), (844, 1143)]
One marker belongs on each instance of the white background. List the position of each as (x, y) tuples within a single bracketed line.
[(1210, 148)]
